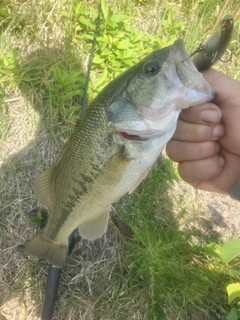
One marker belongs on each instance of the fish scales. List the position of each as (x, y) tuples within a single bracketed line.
[(113, 146)]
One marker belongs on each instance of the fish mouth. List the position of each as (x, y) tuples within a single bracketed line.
[(179, 47), (186, 82), (183, 74), (133, 137), (181, 70)]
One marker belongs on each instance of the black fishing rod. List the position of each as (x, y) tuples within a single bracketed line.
[(53, 279), (54, 273)]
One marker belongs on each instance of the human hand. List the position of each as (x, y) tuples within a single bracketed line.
[(207, 139)]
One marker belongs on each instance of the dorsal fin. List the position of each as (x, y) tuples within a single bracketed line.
[(95, 228), (42, 188)]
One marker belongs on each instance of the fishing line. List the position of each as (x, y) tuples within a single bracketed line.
[(91, 60)]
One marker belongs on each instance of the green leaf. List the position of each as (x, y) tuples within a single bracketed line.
[(98, 60), (120, 18), (172, 173), (86, 22), (179, 25), (78, 9), (233, 291), (104, 8), (232, 315), (102, 78), (72, 77), (71, 94), (128, 62), (105, 53), (5, 61), (230, 250), (104, 40), (122, 44), (213, 249), (58, 74), (85, 36)]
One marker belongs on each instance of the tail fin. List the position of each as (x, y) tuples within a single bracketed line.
[(42, 247)]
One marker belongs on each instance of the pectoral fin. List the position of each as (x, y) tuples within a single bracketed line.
[(42, 188), (95, 228)]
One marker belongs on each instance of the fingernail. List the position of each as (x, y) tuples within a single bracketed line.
[(218, 131), (211, 115)]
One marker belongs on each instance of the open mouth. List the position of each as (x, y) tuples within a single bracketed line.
[(133, 137)]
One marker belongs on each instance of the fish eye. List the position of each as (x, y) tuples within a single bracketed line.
[(151, 68)]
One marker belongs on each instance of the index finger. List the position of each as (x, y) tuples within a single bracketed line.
[(224, 86), (206, 113)]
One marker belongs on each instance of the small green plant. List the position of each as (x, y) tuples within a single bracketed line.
[(5, 12), (227, 252), (35, 219), (64, 87), (9, 63)]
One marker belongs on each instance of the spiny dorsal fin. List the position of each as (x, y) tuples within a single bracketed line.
[(42, 188), (95, 228)]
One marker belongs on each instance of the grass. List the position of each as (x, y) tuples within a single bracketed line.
[(164, 271)]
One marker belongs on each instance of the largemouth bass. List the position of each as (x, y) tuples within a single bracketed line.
[(113, 146)]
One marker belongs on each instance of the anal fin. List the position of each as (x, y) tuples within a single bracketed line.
[(96, 227)]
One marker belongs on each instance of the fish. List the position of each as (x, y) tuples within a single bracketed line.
[(216, 45), (113, 146)]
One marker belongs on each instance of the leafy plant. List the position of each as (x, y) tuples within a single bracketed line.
[(64, 87), (35, 219), (9, 63), (4, 12), (119, 44), (228, 251)]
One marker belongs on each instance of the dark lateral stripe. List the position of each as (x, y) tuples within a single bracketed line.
[(87, 178), (79, 188), (80, 191)]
